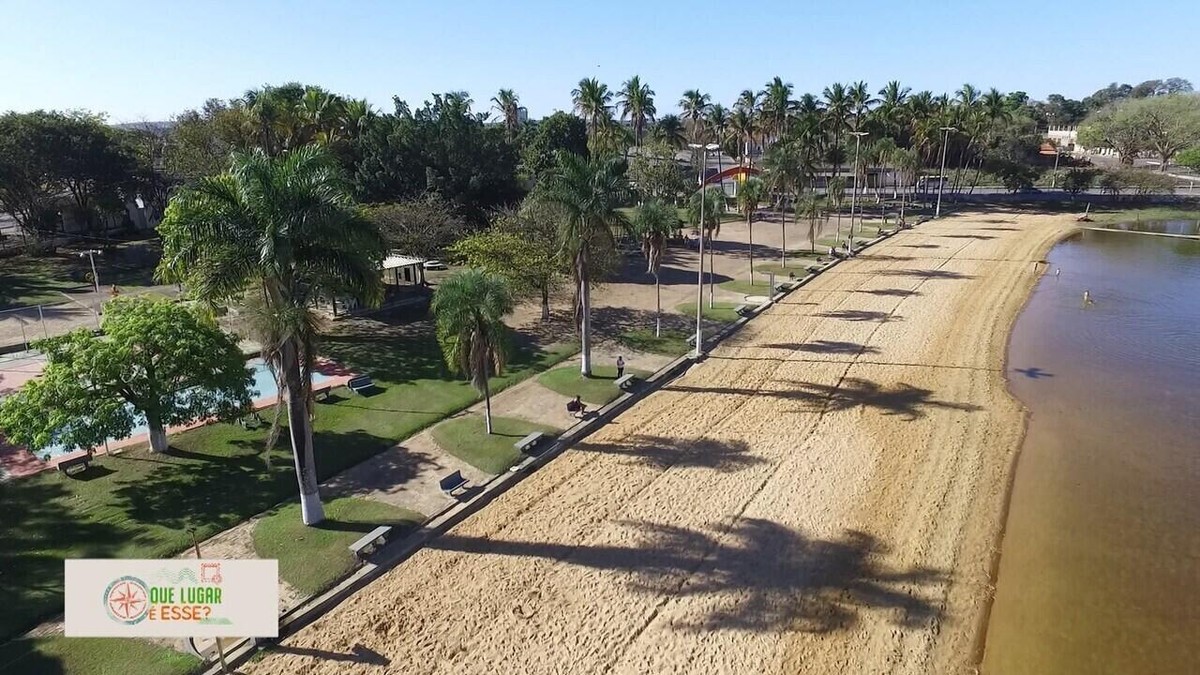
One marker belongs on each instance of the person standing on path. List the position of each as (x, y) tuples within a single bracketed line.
[(620, 366)]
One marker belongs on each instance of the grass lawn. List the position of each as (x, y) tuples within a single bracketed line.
[(720, 311), (1143, 214), (313, 558), (139, 505), (30, 280), (466, 438), (761, 285), (597, 389), (669, 342), (88, 656)]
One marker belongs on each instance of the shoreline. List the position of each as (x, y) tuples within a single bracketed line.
[(823, 493), (998, 548)]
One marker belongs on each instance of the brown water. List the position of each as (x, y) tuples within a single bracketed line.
[(1100, 564)]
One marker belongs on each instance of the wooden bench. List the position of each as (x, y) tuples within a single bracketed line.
[(453, 483), (360, 384), (530, 442), (625, 382), (74, 465), (371, 542), (742, 310)]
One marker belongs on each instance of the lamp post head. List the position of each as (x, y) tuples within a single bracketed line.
[(948, 129), (711, 146), (859, 133)]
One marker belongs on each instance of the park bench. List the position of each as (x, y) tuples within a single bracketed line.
[(742, 310), (252, 421), (73, 465), (321, 393), (370, 542), (530, 443), (360, 384), (453, 483), (691, 340), (625, 382)]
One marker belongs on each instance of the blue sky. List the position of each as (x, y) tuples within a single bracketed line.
[(147, 61)]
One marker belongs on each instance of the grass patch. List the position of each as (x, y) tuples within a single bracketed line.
[(761, 285), (466, 438), (31, 280), (50, 655), (597, 389), (139, 505), (1143, 214), (669, 342), (721, 312), (313, 558)]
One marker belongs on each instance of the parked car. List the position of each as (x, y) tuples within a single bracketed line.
[(434, 265)]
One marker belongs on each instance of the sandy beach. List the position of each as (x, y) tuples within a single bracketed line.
[(822, 494)]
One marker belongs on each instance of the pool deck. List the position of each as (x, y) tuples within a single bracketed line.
[(18, 462)]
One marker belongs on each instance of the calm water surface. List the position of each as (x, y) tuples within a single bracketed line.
[(1100, 568)]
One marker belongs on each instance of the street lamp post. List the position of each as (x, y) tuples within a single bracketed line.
[(942, 177), (854, 190), (700, 269), (91, 254)]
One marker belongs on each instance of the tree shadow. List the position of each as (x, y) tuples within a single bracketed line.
[(898, 399), (757, 576), (920, 246), (860, 315), (668, 452), (891, 292), (968, 236), (825, 347), (926, 274)]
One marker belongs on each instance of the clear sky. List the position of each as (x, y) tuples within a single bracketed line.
[(147, 61)]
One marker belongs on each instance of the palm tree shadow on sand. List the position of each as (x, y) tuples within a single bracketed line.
[(756, 576)]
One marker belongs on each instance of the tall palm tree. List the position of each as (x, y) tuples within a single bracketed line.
[(777, 107), (695, 106), (907, 163), (749, 196), (281, 233), (470, 307), (838, 108), (835, 192), (669, 129), (784, 172), (743, 125), (653, 222), (591, 100), (717, 124), (860, 103), (891, 110), (590, 193), (507, 104), (636, 101), (809, 208), (709, 201)]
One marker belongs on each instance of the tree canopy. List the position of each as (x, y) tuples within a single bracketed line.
[(1163, 125), (155, 360)]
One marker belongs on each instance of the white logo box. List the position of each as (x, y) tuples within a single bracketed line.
[(172, 598)]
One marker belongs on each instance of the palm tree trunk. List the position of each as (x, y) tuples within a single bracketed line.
[(750, 229), (487, 405), (300, 433), (657, 306), (782, 234), (585, 323)]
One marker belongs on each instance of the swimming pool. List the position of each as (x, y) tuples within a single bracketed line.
[(262, 387)]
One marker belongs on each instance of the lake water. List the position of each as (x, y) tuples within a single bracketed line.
[(1100, 565)]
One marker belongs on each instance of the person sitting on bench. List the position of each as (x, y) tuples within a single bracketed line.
[(576, 407)]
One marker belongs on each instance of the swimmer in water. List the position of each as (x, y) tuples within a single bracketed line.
[(1087, 298), (1057, 271)]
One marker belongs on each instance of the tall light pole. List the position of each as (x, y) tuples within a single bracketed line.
[(700, 270), (854, 190), (942, 177), (91, 254)]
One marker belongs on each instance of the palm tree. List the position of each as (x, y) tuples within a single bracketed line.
[(669, 130), (777, 107), (838, 107), (695, 106), (906, 163), (637, 103), (713, 199), (654, 222), (717, 122), (590, 193), (835, 192), (470, 308), (506, 103), (749, 196), (809, 207), (591, 99), (743, 125), (786, 170), (283, 233), (860, 103)]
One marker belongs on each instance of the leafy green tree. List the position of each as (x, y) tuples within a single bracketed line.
[(655, 173), (276, 234), (424, 227), (470, 306), (1117, 128), (589, 193), (653, 222), (749, 195), (155, 360), (1171, 123), (1076, 180), (200, 141), (1189, 158), (714, 206), (522, 247), (540, 143)]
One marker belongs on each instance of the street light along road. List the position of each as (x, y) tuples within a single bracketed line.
[(700, 271), (942, 178), (854, 190)]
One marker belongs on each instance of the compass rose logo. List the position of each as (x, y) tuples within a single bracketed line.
[(127, 600)]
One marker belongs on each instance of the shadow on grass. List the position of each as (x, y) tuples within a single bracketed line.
[(757, 575)]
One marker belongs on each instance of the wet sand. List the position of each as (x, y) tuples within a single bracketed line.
[(822, 494)]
